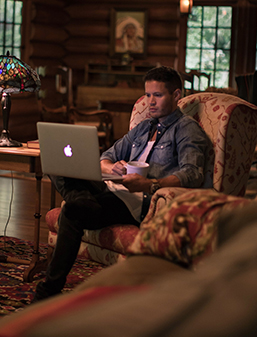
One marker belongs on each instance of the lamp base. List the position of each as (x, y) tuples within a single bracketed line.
[(6, 141)]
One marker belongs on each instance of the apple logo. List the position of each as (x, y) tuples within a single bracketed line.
[(68, 151)]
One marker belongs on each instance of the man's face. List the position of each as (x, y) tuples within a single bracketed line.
[(161, 102)]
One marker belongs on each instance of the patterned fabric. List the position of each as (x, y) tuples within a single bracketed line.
[(231, 124), (92, 252), (184, 231), (107, 245)]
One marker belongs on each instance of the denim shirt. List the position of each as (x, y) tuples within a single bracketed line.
[(179, 150)]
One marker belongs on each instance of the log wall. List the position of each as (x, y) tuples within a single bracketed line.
[(73, 33)]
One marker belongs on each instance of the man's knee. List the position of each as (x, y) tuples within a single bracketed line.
[(82, 206)]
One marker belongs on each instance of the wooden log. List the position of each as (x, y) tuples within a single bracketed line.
[(81, 45), (79, 60), (47, 14), (49, 33), (164, 13), (84, 11), (164, 31), (40, 61), (128, 3), (52, 50), (56, 3), (168, 60), (162, 50), (88, 29)]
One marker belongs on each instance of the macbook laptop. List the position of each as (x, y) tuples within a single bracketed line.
[(70, 150)]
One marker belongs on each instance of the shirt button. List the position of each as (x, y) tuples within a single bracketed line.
[(133, 145), (162, 147), (145, 196)]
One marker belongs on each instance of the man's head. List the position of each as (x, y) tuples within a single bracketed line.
[(163, 89), (167, 75)]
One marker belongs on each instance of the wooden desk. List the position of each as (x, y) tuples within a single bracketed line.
[(22, 159)]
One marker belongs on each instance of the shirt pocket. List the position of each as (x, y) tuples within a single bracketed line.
[(136, 149), (163, 153)]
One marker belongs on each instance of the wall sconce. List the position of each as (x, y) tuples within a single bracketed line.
[(186, 6)]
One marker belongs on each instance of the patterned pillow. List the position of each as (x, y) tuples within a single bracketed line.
[(185, 230)]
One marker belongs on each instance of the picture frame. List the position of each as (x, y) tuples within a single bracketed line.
[(128, 32)]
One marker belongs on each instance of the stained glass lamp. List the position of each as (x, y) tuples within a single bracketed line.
[(15, 77)]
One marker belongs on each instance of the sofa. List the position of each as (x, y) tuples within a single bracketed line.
[(231, 124), (146, 295)]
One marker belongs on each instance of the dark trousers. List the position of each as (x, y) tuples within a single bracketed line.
[(89, 205)]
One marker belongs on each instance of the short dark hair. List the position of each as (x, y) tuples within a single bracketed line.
[(168, 75)]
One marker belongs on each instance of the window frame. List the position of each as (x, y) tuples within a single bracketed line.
[(211, 49), (14, 23)]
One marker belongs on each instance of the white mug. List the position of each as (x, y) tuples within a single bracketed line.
[(137, 167)]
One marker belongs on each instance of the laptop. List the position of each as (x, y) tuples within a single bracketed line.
[(72, 151)]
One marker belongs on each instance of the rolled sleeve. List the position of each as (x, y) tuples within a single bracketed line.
[(192, 144)]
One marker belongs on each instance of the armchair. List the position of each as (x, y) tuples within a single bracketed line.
[(231, 124)]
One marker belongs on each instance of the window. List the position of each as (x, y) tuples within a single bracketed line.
[(208, 43), (10, 27)]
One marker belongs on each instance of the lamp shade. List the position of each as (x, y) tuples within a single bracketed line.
[(15, 77)]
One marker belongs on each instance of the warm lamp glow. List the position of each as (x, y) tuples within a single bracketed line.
[(186, 6)]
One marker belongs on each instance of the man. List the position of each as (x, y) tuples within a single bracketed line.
[(173, 144)]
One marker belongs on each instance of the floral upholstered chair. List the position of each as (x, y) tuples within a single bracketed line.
[(231, 124)]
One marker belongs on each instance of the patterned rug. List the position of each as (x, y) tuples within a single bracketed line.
[(16, 294)]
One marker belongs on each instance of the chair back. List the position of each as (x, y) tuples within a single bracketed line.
[(231, 124)]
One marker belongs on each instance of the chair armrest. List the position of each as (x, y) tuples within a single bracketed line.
[(162, 197)]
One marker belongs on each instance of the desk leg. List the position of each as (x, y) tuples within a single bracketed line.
[(36, 265), (52, 205)]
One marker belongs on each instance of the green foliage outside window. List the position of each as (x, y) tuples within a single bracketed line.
[(10, 27), (208, 43)]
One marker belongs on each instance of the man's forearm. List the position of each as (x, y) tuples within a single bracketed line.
[(170, 181), (106, 166)]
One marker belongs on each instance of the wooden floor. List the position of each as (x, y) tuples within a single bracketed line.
[(21, 223)]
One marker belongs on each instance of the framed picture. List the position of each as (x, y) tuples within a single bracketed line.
[(128, 32)]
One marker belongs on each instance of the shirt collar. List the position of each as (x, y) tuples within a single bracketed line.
[(170, 119)]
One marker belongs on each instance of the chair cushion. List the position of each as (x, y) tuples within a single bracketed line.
[(116, 238), (185, 230)]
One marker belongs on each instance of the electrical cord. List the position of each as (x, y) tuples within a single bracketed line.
[(10, 210)]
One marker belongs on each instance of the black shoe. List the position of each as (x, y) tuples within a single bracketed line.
[(43, 292)]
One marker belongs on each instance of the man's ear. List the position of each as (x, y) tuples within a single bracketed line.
[(177, 94)]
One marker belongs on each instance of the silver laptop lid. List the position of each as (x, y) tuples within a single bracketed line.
[(69, 150)]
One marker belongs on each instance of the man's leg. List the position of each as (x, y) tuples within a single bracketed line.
[(80, 207), (88, 205)]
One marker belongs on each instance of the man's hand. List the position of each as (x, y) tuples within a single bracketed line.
[(119, 168), (109, 167), (136, 183)]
